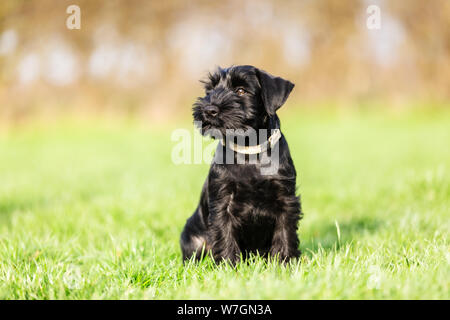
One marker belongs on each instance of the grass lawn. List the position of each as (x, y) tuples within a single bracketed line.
[(95, 210)]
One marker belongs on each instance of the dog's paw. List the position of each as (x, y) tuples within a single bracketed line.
[(284, 254)]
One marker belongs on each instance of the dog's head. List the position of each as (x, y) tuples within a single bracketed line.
[(240, 97)]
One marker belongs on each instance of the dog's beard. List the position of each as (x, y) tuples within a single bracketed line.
[(208, 129), (231, 118), (205, 126), (218, 131)]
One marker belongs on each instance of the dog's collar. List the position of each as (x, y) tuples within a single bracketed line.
[(273, 139)]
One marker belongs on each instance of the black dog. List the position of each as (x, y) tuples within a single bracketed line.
[(242, 210)]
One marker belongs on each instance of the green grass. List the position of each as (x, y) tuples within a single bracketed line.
[(94, 211)]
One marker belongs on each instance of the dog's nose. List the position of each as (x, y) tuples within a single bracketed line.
[(211, 111)]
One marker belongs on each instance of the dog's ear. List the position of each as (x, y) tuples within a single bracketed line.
[(274, 90)]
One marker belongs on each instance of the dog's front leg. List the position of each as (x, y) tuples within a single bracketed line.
[(221, 235), (285, 240)]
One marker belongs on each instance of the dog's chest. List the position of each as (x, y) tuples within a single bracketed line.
[(248, 196)]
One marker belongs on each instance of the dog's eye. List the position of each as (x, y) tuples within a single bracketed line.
[(240, 91)]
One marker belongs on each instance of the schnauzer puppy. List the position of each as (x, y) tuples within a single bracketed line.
[(241, 209)]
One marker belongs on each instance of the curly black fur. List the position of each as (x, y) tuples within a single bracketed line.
[(240, 210)]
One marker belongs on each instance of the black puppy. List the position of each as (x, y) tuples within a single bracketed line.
[(241, 209)]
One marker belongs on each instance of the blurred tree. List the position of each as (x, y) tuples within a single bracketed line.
[(139, 55)]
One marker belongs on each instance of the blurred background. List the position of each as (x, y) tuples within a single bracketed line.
[(145, 58)]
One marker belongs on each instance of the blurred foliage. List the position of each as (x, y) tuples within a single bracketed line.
[(96, 211), (146, 57)]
